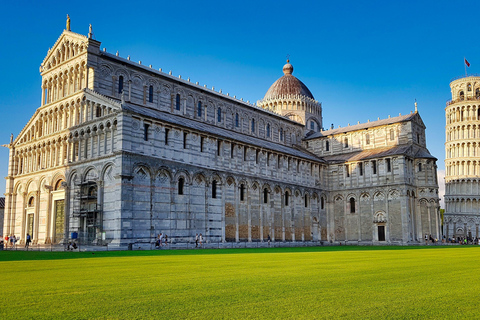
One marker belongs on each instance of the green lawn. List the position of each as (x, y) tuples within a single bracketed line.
[(294, 283)]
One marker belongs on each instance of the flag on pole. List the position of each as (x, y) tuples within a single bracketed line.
[(466, 62)]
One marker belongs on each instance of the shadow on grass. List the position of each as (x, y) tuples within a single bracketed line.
[(7, 255)]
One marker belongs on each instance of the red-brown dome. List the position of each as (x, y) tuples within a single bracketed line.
[(287, 85)]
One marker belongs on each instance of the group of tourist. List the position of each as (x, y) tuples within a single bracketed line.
[(11, 240), (464, 240), (162, 239)]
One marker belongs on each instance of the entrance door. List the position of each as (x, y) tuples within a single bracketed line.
[(59, 220), (381, 233), (30, 226)]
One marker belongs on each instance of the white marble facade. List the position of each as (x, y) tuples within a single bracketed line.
[(462, 159), (118, 152)]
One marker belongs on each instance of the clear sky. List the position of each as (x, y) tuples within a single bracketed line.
[(361, 59)]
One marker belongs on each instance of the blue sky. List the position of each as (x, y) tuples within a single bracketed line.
[(361, 59)]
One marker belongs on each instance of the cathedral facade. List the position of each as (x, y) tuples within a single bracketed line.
[(462, 159), (118, 152)]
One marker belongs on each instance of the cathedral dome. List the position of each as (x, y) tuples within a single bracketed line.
[(287, 85)]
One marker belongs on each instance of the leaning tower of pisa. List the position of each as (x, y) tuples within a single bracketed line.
[(462, 159)]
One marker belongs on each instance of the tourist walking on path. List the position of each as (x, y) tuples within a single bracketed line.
[(6, 241), (200, 239), (29, 239), (269, 239), (196, 240)]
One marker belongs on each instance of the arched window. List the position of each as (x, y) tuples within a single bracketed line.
[(469, 87), (268, 129), (286, 198), (253, 125), (367, 138), (352, 205), (181, 182), (99, 112), (327, 146), (306, 201), (92, 192), (312, 125), (420, 167), (150, 94), (214, 189), (322, 203), (120, 84), (177, 102), (265, 195), (219, 115), (345, 142), (392, 134), (281, 134), (477, 93), (58, 185), (462, 95), (237, 120), (31, 202)]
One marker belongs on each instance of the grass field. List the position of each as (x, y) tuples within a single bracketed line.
[(294, 283)]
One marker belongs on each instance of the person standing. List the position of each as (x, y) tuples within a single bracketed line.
[(161, 239), (14, 241), (6, 241), (196, 240), (200, 239), (269, 239)]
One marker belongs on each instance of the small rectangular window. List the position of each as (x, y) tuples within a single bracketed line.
[(242, 192), (327, 146), (150, 94), (347, 170), (177, 102), (257, 155), (374, 167), (268, 158), (345, 142), (278, 161), (201, 144), (185, 140), (145, 131), (232, 150), (219, 148), (389, 166), (244, 153), (360, 168)]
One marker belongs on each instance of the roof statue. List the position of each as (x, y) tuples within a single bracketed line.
[(68, 22)]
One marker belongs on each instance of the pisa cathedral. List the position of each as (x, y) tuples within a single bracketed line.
[(462, 159), (118, 152)]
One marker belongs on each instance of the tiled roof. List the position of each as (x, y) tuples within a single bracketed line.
[(224, 133), (361, 126), (411, 150)]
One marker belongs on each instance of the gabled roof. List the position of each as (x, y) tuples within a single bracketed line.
[(408, 149), (221, 132), (368, 125), (65, 34)]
